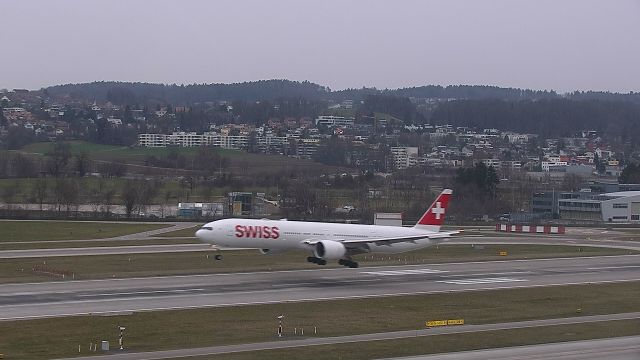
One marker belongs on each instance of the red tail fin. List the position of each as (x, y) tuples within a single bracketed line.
[(434, 216)]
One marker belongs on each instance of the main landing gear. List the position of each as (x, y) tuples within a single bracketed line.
[(348, 263), (343, 262), (315, 260)]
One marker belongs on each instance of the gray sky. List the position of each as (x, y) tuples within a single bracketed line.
[(540, 44)]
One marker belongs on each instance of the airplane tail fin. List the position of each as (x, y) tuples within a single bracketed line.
[(433, 218)]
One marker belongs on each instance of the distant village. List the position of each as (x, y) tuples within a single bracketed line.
[(377, 143)]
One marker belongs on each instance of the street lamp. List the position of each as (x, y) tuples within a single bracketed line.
[(280, 317), (121, 336)]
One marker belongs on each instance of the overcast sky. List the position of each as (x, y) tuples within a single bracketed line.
[(540, 44)]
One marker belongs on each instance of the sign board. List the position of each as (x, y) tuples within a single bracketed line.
[(434, 323)]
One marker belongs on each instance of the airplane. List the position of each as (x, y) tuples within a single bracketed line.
[(329, 241)]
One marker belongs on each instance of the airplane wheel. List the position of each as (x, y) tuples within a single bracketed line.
[(353, 264), (322, 262), (342, 262), (218, 257)]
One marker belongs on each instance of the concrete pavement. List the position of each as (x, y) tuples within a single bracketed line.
[(622, 348), (49, 299)]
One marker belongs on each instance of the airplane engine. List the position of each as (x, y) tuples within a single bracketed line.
[(328, 249), (271, 251)]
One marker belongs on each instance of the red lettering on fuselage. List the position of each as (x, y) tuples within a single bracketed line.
[(264, 232)]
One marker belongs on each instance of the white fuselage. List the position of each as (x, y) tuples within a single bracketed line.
[(288, 235)]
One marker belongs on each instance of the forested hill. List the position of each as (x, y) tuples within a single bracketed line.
[(137, 93), (549, 118), (472, 92)]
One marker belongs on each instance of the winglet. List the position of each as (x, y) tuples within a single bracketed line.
[(433, 218)]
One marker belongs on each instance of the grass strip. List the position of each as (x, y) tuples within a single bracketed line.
[(183, 233), (149, 331), (156, 264), (68, 230), (63, 244), (444, 343)]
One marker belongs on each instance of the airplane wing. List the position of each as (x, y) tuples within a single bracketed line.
[(391, 240)]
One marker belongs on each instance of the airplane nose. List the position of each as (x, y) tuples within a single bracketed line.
[(200, 234)]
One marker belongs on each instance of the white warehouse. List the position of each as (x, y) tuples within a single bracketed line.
[(623, 206)]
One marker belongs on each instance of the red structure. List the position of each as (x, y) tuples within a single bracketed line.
[(537, 229)]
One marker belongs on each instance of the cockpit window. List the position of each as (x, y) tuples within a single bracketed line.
[(206, 228)]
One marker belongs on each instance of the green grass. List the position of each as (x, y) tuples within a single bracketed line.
[(148, 331), (183, 233), (134, 265), (444, 343), (241, 162), (108, 152), (77, 147), (86, 244), (87, 184), (68, 230)]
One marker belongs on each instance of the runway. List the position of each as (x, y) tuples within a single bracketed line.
[(50, 299)]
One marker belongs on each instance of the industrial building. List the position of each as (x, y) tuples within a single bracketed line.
[(597, 202), (621, 206)]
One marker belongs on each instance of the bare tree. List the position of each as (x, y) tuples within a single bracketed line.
[(69, 192), (58, 159), (148, 191), (82, 164), (107, 195), (39, 192), (167, 196), (10, 193), (95, 198), (23, 167), (130, 196)]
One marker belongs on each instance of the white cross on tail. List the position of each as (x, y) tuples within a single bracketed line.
[(438, 210)]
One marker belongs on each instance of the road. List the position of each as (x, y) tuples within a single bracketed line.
[(36, 300), (626, 342), (623, 348)]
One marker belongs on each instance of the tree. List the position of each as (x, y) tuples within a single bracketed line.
[(9, 193), (39, 192), (18, 137), (476, 188), (23, 167), (130, 196), (112, 169), (630, 174), (332, 152), (148, 191), (3, 120), (67, 193), (82, 164), (107, 195), (58, 159), (571, 182)]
